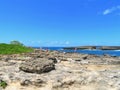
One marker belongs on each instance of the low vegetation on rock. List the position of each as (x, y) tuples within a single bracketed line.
[(3, 84)]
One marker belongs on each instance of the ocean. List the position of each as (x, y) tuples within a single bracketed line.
[(96, 52)]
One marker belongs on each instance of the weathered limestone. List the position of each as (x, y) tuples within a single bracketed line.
[(37, 66), (73, 71)]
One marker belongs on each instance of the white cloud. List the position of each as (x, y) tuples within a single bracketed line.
[(106, 12), (67, 42), (57, 43), (110, 10)]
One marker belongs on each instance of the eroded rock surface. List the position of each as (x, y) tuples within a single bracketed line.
[(72, 71), (37, 66)]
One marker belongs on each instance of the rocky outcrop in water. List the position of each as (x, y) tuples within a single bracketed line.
[(94, 47), (110, 47), (81, 47)]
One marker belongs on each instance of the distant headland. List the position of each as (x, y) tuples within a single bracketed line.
[(94, 47)]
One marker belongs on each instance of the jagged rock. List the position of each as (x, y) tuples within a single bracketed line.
[(73, 72), (37, 66), (54, 59)]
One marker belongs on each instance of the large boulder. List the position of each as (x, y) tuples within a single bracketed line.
[(37, 66)]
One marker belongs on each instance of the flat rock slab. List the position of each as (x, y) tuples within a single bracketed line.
[(37, 66)]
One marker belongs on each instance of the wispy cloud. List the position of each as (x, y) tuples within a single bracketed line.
[(58, 43), (47, 43), (111, 10)]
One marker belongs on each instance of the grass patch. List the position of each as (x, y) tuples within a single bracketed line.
[(14, 49)]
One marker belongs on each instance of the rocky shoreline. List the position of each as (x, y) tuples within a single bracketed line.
[(53, 70)]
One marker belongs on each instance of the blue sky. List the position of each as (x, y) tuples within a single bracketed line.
[(60, 22)]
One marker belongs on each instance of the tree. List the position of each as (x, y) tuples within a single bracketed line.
[(16, 42)]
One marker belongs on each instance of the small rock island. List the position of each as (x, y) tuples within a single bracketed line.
[(94, 48)]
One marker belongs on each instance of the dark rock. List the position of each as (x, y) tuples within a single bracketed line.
[(53, 58), (6, 59), (26, 82), (110, 47), (78, 60), (37, 66), (85, 57), (81, 47), (39, 82), (107, 55)]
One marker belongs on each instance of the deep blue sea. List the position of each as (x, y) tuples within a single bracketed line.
[(96, 52)]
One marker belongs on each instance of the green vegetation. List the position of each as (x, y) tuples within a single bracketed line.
[(3, 84), (13, 49)]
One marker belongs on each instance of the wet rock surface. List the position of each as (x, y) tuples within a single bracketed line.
[(72, 71)]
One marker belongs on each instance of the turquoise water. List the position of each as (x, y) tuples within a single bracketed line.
[(96, 52)]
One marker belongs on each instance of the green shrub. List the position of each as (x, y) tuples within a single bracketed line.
[(3, 84), (13, 49)]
